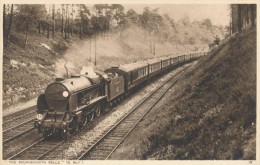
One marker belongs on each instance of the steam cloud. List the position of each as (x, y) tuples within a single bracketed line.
[(124, 46)]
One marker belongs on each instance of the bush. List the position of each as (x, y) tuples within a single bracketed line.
[(60, 46), (17, 38)]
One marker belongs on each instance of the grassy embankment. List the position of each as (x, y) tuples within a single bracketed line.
[(210, 114)]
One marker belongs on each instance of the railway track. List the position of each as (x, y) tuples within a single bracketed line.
[(18, 130), (17, 124), (37, 150), (103, 147), (11, 120)]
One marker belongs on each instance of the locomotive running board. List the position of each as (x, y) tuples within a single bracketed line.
[(91, 102)]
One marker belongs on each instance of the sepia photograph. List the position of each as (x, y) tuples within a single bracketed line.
[(128, 81)]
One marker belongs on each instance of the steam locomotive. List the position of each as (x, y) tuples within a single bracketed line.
[(68, 104)]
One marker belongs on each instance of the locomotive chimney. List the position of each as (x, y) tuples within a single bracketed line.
[(59, 79)]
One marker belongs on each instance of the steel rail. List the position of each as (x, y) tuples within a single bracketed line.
[(38, 152), (17, 130), (16, 118)]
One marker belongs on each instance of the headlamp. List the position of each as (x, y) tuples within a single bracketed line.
[(65, 94)]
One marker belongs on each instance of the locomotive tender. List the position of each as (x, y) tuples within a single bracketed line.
[(68, 104)]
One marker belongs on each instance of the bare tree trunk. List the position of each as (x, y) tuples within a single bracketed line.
[(247, 15), (232, 19), (95, 49), (62, 22), (240, 23), (230, 28), (90, 49), (151, 47), (10, 26), (4, 28), (66, 19), (68, 24), (27, 31), (81, 20), (154, 48), (53, 19), (253, 14), (39, 26), (48, 31), (72, 19)]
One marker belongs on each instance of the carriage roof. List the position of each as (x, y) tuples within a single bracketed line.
[(133, 66)]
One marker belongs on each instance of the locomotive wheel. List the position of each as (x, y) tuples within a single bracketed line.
[(98, 111), (64, 134), (91, 116), (73, 126), (108, 107), (85, 120), (45, 133)]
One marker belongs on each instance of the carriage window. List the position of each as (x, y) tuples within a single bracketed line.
[(140, 73)]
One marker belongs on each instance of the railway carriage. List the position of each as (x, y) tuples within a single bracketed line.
[(193, 55), (154, 66), (166, 63), (199, 54), (174, 61), (187, 57), (181, 58), (133, 73), (139, 73)]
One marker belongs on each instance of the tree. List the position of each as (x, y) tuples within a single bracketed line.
[(66, 22), (151, 19), (106, 13), (207, 23), (72, 13), (62, 19), (228, 29), (83, 13), (27, 15), (239, 23), (103, 16), (8, 31), (100, 8), (171, 21), (185, 20), (4, 22), (120, 18), (253, 13), (53, 19), (133, 16)]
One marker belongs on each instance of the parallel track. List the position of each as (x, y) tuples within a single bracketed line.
[(37, 150), (107, 144), (18, 130), (11, 120)]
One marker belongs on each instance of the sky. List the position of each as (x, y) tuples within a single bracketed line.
[(219, 14)]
